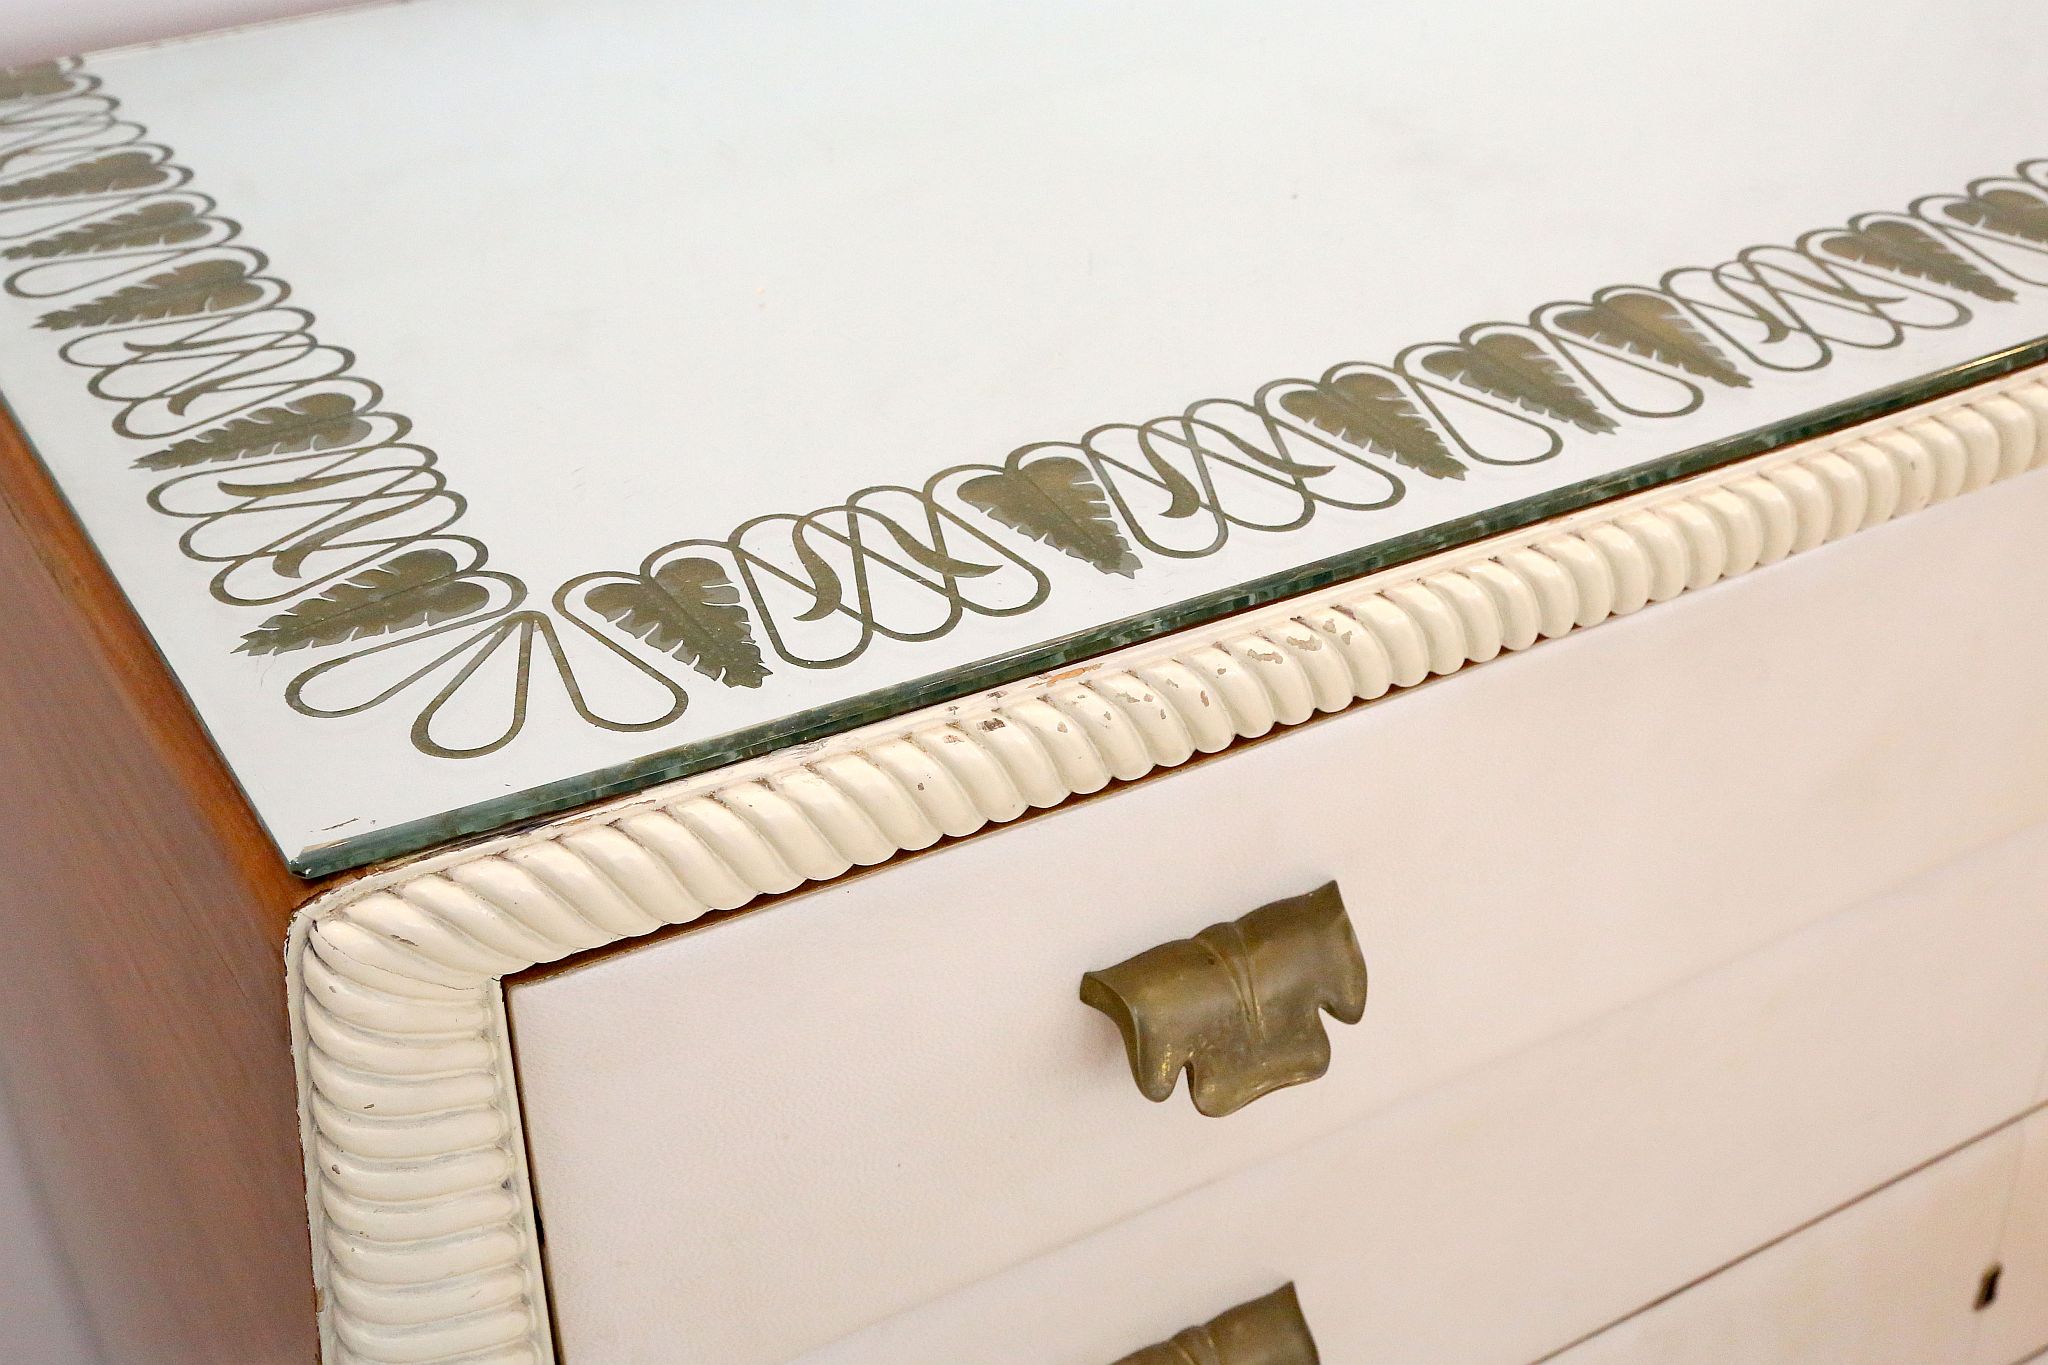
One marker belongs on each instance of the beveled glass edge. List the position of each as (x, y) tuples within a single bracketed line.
[(535, 805)]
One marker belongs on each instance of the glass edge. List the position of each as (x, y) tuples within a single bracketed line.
[(535, 805)]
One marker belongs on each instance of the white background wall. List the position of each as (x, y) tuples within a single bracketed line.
[(38, 1314), (39, 1320), (33, 30)]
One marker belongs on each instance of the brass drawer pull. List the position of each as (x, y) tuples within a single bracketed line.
[(1237, 1005), (1266, 1331)]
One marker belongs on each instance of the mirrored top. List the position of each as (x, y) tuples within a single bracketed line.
[(490, 404)]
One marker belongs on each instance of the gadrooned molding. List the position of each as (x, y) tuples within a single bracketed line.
[(424, 1242)]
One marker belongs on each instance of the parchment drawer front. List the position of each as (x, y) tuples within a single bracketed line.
[(1949, 1264), (1894, 1279), (2015, 1322), (1522, 1207), (753, 1138)]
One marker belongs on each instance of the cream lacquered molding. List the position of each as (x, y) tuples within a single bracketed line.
[(424, 1244)]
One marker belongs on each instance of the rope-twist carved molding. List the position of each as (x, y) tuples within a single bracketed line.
[(423, 1223)]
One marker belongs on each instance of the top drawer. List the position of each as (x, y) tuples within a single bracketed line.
[(752, 1138)]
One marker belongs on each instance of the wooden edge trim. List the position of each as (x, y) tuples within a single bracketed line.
[(144, 909)]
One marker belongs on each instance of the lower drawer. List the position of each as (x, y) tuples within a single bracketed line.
[(2014, 1325), (1911, 1275), (1529, 1203)]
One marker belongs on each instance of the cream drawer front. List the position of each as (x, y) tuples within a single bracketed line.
[(1524, 1206), (2015, 1325), (750, 1139), (1891, 1280)]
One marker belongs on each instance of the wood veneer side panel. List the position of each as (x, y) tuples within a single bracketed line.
[(143, 1033)]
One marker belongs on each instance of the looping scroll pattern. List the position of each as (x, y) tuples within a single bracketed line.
[(423, 1221), (311, 502)]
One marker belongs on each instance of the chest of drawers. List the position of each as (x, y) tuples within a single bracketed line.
[(1526, 845), (900, 1092)]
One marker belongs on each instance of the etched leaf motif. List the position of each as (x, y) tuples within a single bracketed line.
[(165, 224), (1370, 411), (101, 175), (200, 287), (1183, 498), (931, 556), (1518, 369), (2012, 212), (690, 610), (1908, 250), (27, 82), (1645, 325), (828, 593), (418, 588), (285, 488), (320, 421), (1057, 502)]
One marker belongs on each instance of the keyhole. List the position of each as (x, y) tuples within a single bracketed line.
[(1987, 1287)]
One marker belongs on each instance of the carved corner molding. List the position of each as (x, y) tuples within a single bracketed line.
[(424, 1243)]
